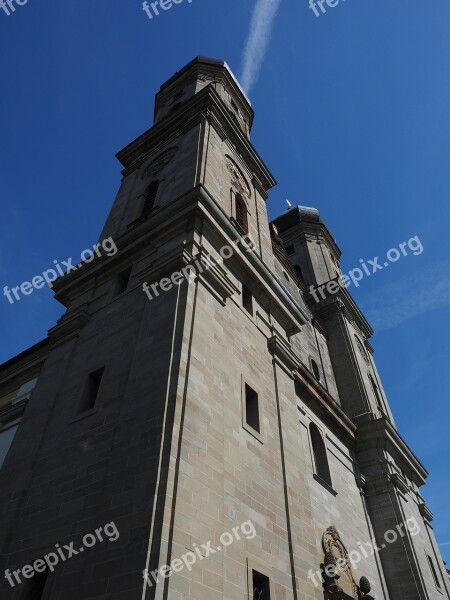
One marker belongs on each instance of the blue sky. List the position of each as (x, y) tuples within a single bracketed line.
[(351, 117)]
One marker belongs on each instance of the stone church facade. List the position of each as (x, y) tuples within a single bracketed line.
[(236, 398)]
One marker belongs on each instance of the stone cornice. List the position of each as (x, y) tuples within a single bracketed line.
[(425, 512), (325, 402), (341, 301), (373, 432), (283, 354), (313, 230), (207, 104), (216, 279), (12, 411), (69, 325), (27, 362), (197, 202), (400, 482)]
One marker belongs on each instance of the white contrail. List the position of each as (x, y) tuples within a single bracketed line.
[(261, 23)]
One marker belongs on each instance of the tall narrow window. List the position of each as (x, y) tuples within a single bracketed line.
[(252, 408), (320, 454), (90, 391), (299, 271), (376, 392), (261, 586), (247, 299), (122, 282), (150, 198), (37, 585), (433, 572), (241, 213)]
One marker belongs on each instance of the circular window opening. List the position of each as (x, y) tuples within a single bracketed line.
[(315, 369)]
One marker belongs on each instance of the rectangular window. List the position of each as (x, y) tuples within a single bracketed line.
[(261, 586), (90, 391), (122, 282), (247, 300), (434, 572), (252, 408), (38, 586)]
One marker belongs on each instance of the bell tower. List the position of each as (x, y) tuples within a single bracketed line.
[(390, 474), (200, 139)]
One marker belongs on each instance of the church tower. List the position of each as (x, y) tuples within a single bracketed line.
[(197, 400), (390, 473)]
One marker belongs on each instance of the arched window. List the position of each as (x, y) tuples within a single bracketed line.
[(362, 350), (315, 369), (320, 454), (241, 212), (376, 392), (150, 197)]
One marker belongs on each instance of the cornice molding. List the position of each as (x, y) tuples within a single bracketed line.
[(340, 302), (374, 432), (215, 278), (425, 512), (207, 104), (326, 402), (197, 202), (69, 326), (283, 354), (28, 362), (12, 411)]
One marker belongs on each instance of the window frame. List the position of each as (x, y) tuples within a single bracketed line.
[(434, 572), (119, 275), (234, 212), (328, 481), (146, 213), (33, 583), (258, 435), (263, 569), (248, 295), (81, 389)]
